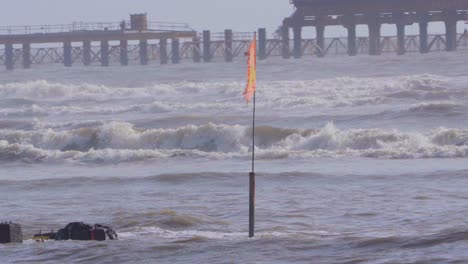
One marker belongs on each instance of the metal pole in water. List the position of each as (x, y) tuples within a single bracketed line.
[(252, 181)]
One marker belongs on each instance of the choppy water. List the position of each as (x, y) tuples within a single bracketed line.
[(359, 160)]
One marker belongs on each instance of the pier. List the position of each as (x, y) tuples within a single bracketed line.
[(138, 29), (373, 13), (141, 42)]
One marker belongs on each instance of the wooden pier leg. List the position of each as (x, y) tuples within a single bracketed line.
[(104, 53), (401, 49), (285, 51), (451, 30), (228, 52), (196, 50), (374, 35), (144, 52), (163, 51), (67, 54), (262, 44), (26, 55), (9, 62), (352, 47), (175, 51), (320, 30), (297, 35), (206, 46), (124, 52), (87, 53)]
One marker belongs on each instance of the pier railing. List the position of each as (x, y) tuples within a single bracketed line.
[(97, 26), (236, 36)]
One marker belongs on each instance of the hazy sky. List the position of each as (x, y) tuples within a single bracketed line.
[(216, 15)]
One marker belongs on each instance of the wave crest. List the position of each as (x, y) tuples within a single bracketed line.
[(117, 141)]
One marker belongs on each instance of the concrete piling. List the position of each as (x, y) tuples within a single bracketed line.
[(297, 48), (196, 52), (374, 35), (143, 52), (207, 46), (175, 51), (87, 53), (26, 55), (67, 54), (352, 47), (262, 40), (423, 37), (163, 51), (124, 52), (451, 30), (228, 52), (285, 51), (104, 53), (320, 31), (401, 48), (9, 62)]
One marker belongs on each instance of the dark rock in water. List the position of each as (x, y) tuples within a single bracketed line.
[(82, 231), (10, 233)]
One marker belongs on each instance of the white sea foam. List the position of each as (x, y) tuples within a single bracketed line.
[(195, 235), (116, 142), (332, 92)]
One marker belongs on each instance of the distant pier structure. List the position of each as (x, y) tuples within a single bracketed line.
[(138, 29), (374, 13), (143, 42)]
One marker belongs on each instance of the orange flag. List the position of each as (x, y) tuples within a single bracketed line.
[(252, 71)]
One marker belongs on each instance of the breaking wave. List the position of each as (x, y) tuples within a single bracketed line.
[(332, 92), (122, 142), (438, 107)]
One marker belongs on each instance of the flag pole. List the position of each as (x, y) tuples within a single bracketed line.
[(252, 181), (252, 174)]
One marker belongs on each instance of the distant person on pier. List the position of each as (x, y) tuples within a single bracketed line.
[(465, 33)]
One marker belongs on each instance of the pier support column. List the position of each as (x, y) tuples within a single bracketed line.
[(228, 53), (196, 49), (26, 55), (9, 62), (67, 54), (175, 51), (124, 52), (451, 30), (285, 51), (423, 41), (297, 35), (374, 35), (320, 30), (352, 47), (262, 43), (87, 53), (104, 53), (401, 49), (206, 46), (143, 52), (163, 51)]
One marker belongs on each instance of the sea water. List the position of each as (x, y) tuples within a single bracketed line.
[(358, 159)]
